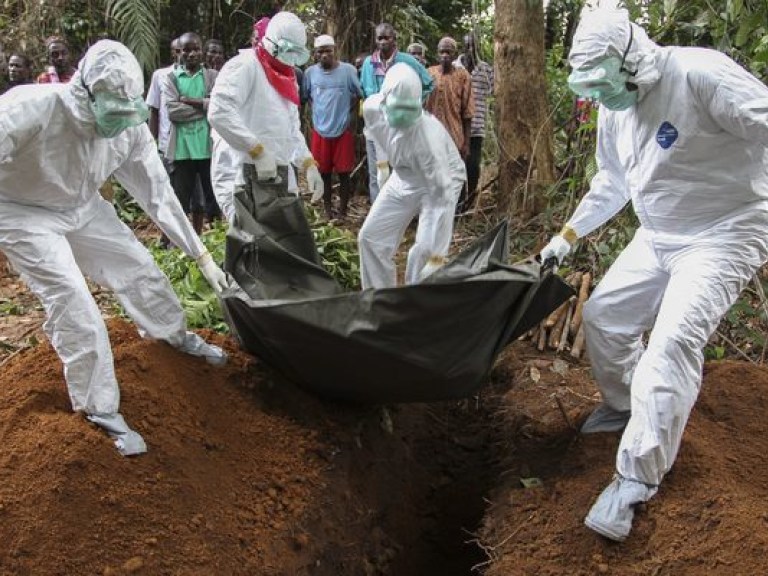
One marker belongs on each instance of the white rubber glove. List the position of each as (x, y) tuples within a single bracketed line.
[(557, 248), (212, 273), (264, 161), (382, 173), (315, 183)]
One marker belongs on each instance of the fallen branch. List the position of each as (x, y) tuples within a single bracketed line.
[(738, 350), (586, 280), (557, 329), (566, 326), (542, 339), (553, 318), (578, 343), (563, 412)]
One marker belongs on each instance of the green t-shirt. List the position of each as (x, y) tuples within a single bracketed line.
[(193, 140)]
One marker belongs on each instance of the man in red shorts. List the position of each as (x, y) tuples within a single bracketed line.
[(333, 89)]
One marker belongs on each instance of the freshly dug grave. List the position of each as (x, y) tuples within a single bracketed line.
[(244, 474), (709, 517), (247, 475)]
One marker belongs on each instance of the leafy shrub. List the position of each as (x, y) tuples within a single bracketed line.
[(198, 299)]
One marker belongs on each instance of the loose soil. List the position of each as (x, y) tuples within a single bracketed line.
[(709, 517), (248, 475)]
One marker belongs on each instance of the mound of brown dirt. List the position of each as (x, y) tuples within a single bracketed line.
[(245, 475), (709, 517), (216, 494)]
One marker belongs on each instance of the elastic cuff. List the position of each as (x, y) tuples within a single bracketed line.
[(569, 234), (382, 164), (204, 258), (256, 151), (307, 162)]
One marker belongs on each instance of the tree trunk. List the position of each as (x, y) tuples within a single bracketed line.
[(526, 164)]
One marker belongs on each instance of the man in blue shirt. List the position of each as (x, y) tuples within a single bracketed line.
[(333, 90), (372, 76)]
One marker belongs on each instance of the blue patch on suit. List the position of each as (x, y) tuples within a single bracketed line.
[(666, 135)]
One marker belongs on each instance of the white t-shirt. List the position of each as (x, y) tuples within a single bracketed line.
[(155, 100)]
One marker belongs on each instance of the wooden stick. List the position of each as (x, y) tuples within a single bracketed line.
[(576, 280), (583, 295), (566, 325), (553, 318), (542, 340), (555, 315), (564, 412), (557, 329), (578, 343)]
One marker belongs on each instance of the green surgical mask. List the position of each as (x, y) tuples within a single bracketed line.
[(114, 114), (401, 113), (605, 82)]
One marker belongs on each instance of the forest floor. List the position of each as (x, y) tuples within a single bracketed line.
[(246, 474)]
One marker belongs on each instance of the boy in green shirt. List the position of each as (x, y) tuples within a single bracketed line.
[(186, 90)]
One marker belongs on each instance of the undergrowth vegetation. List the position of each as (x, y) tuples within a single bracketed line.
[(337, 248)]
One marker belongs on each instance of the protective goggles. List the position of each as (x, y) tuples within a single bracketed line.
[(114, 114), (289, 53), (605, 79), (401, 112), (600, 81)]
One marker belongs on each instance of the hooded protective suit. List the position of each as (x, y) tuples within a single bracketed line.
[(691, 155), (247, 112), (55, 227), (427, 177)]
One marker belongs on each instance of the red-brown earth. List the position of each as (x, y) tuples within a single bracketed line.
[(246, 474)]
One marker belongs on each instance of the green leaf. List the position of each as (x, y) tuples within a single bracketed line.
[(137, 24)]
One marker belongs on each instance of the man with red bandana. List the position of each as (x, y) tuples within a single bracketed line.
[(254, 110)]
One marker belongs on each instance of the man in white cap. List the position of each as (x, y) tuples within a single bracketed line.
[(60, 143), (333, 90), (683, 135), (254, 110), (426, 179)]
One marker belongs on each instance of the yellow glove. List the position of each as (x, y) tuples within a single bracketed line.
[(264, 161)]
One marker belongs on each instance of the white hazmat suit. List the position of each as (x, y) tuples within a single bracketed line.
[(55, 227), (692, 157), (426, 180), (253, 122)]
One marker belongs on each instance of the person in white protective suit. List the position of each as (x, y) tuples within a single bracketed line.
[(60, 143), (683, 135), (254, 111), (426, 180)]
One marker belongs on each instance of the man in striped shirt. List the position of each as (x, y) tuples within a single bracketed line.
[(482, 88)]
